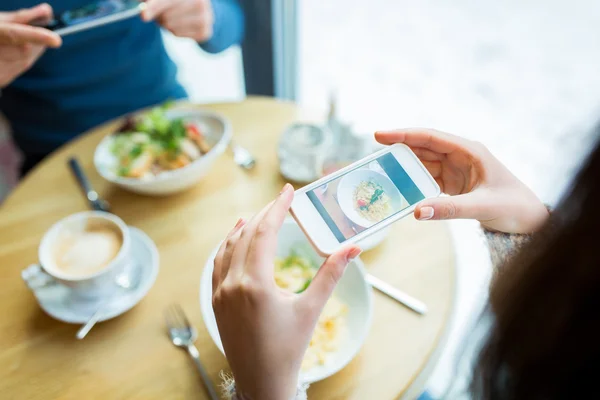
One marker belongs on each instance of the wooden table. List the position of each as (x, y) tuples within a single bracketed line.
[(130, 357)]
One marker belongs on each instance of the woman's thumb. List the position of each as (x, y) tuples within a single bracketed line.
[(448, 207), (326, 279)]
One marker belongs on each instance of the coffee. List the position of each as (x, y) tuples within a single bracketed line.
[(88, 248)]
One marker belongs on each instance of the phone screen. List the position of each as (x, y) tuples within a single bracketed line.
[(91, 12), (365, 196)]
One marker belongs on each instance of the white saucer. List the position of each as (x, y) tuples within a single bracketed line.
[(58, 300)]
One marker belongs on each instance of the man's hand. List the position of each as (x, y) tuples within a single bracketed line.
[(184, 18), (20, 44)]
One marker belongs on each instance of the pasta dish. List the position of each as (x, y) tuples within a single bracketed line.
[(294, 273), (371, 201)]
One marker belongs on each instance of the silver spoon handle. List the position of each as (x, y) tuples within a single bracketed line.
[(193, 351), (242, 157), (85, 329), (416, 305)]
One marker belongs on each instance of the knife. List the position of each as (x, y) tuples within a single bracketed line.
[(95, 201)]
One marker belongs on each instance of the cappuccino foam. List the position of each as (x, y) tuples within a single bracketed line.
[(87, 251)]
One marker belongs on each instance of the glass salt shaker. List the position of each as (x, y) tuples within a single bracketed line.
[(302, 150)]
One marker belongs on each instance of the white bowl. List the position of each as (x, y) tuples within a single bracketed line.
[(348, 184), (353, 290), (218, 134)]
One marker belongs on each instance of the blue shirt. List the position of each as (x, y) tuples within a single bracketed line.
[(98, 75)]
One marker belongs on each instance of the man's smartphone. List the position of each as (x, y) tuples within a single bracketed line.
[(362, 198), (94, 14)]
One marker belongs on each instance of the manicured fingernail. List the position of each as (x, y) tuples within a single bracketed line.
[(426, 213), (286, 187), (352, 254), (237, 227)]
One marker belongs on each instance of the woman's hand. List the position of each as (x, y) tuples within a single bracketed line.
[(21, 44), (265, 330), (480, 186), (184, 18)]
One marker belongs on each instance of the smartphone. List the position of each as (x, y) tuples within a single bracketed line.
[(94, 14), (362, 198)]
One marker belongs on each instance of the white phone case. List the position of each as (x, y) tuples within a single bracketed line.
[(373, 229)]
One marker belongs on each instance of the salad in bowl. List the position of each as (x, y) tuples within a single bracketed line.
[(152, 143), (163, 150)]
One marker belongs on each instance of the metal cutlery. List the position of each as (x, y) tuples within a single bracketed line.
[(241, 156), (183, 335), (126, 281), (95, 201), (408, 301)]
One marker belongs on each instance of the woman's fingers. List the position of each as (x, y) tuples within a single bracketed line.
[(506, 210), (240, 251), (240, 255), (429, 139), (451, 207), (473, 205), (434, 168), (263, 246), (326, 279), (217, 265), (427, 155), (232, 241), (221, 262)]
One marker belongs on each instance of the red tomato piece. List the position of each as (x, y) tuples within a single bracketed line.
[(193, 130)]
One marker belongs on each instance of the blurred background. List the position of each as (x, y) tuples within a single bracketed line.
[(520, 76)]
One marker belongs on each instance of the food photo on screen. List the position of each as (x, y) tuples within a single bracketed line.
[(365, 196)]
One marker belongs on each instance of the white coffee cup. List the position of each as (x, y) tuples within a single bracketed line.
[(97, 283)]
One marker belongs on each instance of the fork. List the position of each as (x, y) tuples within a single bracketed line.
[(183, 334)]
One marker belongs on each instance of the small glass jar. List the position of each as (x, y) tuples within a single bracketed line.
[(348, 149), (302, 150)]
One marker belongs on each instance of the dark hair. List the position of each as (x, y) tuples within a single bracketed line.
[(544, 340)]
